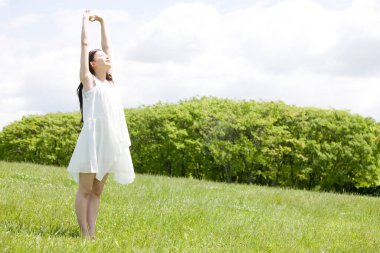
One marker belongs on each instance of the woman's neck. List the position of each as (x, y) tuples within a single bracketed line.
[(101, 76)]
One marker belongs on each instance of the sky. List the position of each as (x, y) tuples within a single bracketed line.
[(318, 53)]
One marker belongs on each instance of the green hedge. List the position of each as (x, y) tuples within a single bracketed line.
[(47, 139), (268, 143)]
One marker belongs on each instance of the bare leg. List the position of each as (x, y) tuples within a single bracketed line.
[(81, 202), (93, 204)]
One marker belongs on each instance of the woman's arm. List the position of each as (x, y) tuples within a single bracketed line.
[(104, 37), (84, 73)]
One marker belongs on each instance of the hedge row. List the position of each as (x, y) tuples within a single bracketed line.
[(268, 143)]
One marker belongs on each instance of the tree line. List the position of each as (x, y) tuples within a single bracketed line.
[(235, 141)]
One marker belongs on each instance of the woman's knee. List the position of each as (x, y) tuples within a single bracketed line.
[(86, 184), (98, 186), (85, 191), (97, 190)]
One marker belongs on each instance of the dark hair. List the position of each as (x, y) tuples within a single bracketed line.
[(91, 57)]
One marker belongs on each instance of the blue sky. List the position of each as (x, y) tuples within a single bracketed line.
[(304, 52)]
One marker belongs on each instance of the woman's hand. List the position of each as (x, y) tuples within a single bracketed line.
[(96, 18), (92, 17), (87, 15)]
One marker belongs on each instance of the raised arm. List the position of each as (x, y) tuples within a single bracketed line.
[(84, 73), (104, 37)]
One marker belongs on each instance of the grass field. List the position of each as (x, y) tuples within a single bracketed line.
[(162, 214)]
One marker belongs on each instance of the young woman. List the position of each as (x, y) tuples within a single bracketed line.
[(103, 143)]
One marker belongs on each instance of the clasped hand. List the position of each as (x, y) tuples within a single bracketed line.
[(92, 17)]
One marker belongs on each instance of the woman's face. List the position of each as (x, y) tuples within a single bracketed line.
[(101, 60)]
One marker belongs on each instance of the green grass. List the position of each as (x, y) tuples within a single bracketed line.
[(162, 214)]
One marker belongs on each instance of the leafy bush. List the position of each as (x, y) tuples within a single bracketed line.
[(47, 139), (268, 143)]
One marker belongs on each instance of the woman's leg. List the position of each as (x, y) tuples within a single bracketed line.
[(93, 204), (81, 202)]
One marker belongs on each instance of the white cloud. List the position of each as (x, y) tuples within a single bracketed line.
[(22, 21), (297, 51), (177, 34)]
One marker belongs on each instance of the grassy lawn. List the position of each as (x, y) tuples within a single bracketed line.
[(162, 214)]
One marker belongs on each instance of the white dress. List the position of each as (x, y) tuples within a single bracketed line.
[(103, 143)]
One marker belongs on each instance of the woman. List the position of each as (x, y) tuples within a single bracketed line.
[(103, 143)]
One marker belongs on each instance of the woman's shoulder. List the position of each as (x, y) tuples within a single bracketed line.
[(91, 90)]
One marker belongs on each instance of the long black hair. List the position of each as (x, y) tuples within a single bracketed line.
[(91, 57)]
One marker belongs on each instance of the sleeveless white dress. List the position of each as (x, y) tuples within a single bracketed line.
[(103, 143)]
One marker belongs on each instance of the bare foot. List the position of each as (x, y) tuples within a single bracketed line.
[(85, 236)]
